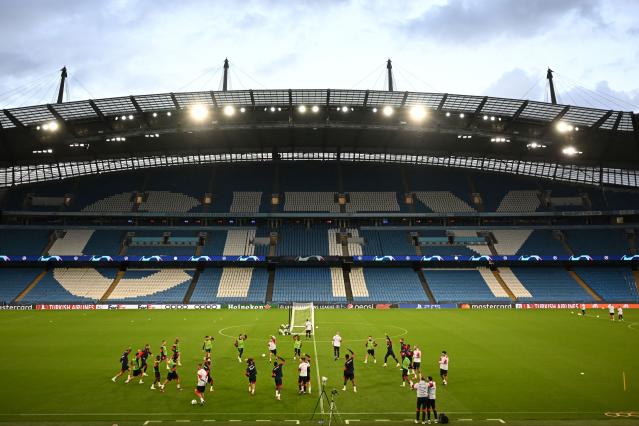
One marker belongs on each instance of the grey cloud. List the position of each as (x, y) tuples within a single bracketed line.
[(475, 21)]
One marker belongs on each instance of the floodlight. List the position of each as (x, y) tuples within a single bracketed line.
[(168, 114), (272, 109), (418, 113), (462, 115), (563, 127), (570, 151), (242, 110), (199, 112), (344, 109), (53, 126), (448, 114), (155, 114), (123, 117), (485, 117), (130, 117), (301, 109), (388, 111), (315, 108), (229, 110), (374, 109)]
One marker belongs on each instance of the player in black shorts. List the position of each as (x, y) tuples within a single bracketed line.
[(124, 364), (251, 373), (349, 370), (207, 367), (389, 351), (277, 376), (146, 353), (164, 354), (156, 372), (173, 374), (136, 367)]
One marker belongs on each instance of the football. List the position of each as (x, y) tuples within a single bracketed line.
[(263, 355), (193, 402)]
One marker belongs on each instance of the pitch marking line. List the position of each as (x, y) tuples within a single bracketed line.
[(319, 378), (496, 420), (348, 421), (296, 421), (623, 374)]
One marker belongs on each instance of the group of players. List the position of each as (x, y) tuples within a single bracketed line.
[(135, 366)]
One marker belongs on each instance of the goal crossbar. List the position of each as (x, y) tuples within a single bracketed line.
[(298, 314)]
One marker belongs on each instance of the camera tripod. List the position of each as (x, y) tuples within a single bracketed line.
[(332, 411)]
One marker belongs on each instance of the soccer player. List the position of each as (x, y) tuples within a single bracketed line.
[(272, 348), (156, 372), (389, 351), (251, 373), (620, 313), (443, 367), (417, 361), (422, 399), (308, 328), (164, 353), (239, 344), (146, 352), (611, 311), (136, 367), (370, 349), (430, 403), (304, 369), (405, 368), (349, 370), (173, 374), (124, 364), (208, 344), (583, 309), (202, 379), (297, 347), (337, 342), (207, 367), (277, 375), (177, 350)]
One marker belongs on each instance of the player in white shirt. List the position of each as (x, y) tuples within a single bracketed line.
[(417, 361), (430, 403), (422, 397), (272, 348), (443, 367), (202, 380), (337, 343), (583, 309), (304, 379), (611, 311), (620, 313), (308, 328)]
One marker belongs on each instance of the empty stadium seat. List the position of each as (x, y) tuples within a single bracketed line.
[(310, 202), (152, 286), (304, 285), (13, 281), (612, 284), (443, 202), (462, 285), (391, 285), (551, 284)]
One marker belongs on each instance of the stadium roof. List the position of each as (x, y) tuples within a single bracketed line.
[(317, 121)]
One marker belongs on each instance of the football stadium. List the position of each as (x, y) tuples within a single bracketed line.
[(305, 256)]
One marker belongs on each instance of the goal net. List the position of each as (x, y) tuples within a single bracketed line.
[(298, 314)]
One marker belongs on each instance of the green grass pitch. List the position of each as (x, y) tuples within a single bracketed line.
[(512, 365)]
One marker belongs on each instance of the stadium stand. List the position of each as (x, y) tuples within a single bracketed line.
[(246, 202), (550, 284), (354, 249), (13, 281), (239, 242), (386, 243), (304, 285), (84, 282), (334, 248), (163, 286), (17, 242), (612, 284), (310, 202), (519, 202), (372, 202), (104, 243), (337, 283), (463, 285), (49, 289), (443, 202), (391, 285), (168, 202), (597, 242), (358, 284), (215, 243), (299, 240), (231, 285), (513, 283), (71, 243)]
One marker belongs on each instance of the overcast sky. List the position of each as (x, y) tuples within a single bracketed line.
[(481, 47)]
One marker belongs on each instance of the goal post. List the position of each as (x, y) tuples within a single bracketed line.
[(298, 314)]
